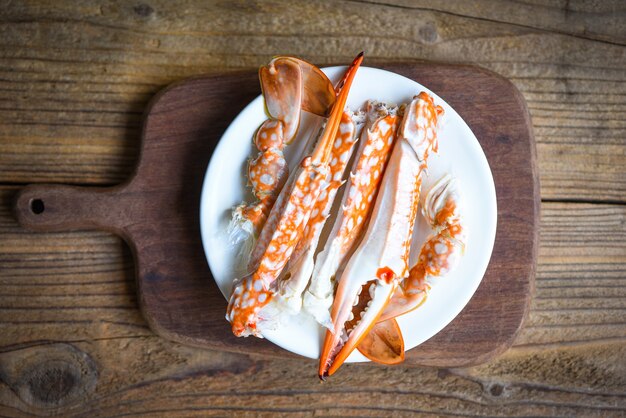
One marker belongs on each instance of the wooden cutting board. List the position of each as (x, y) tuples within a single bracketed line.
[(157, 211)]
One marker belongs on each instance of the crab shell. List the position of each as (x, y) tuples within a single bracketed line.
[(381, 259)]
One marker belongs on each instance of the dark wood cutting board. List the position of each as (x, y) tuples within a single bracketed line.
[(157, 211)]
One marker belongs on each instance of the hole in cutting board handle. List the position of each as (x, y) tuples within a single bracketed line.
[(37, 206)]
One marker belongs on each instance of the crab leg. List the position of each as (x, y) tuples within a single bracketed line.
[(439, 254), (358, 199), (286, 223), (381, 259), (298, 271), (290, 85)]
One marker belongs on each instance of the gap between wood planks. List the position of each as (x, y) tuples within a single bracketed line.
[(484, 19)]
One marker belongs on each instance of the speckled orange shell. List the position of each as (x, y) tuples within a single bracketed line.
[(365, 179), (340, 154)]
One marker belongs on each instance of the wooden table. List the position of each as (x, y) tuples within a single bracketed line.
[(74, 80)]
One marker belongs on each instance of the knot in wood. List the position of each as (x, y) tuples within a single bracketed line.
[(496, 389), (50, 382), (143, 10), (428, 33), (49, 376), (503, 139)]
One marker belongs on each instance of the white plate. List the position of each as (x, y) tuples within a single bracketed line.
[(459, 154)]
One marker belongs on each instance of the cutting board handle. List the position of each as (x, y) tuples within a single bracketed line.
[(51, 207)]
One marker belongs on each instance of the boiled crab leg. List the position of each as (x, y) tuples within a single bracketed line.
[(381, 259), (286, 223), (298, 271), (358, 200), (437, 257), (439, 254), (290, 85)]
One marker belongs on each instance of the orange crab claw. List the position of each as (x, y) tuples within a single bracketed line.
[(318, 95), (358, 304), (384, 343), (375, 268), (439, 254), (285, 226), (290, 85), (358, 200)]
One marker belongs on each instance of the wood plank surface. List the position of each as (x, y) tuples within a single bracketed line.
[(80, 76), (74, 80), (76, 290)]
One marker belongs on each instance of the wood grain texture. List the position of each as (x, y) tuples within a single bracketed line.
[(156, 212), (80, 75), (74, 292), (74, 80)]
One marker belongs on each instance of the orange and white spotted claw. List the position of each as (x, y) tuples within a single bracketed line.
[(290, 85), (437, 257), (439, 254), (380, 261), (298, 271), (287, 220), (371, 159)]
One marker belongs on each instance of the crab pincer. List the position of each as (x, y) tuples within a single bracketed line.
[(296, 275), (371, 158), (290, 86), (381, 260), (439, 254), (286, 223)]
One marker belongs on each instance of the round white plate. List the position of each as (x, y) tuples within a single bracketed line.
[(459, 154)]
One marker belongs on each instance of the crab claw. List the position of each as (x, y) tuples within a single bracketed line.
[(358, 304), (285, 225), (440, 253), (372, 274)]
